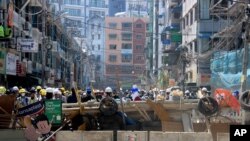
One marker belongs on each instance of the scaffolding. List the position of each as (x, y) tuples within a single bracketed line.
[(233, 13)]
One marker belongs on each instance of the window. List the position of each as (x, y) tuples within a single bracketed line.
[(138, 25), (99, 25), (93, 36), (73, 2), (112, 58), (138, 47), (112, 36), (127, 26), (183, 23), (148, 26), (191, 17), (139, 58), (93, 47), (99, 47), (126, 36), (138, 36), (92, 26), (99, 36), (112, 25), (73, 12), (126, 58), (112, 47), (97, 3), (94, 13), (126, 46), (98, 58)]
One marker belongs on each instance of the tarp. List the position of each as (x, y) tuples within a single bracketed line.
[(226, 68)]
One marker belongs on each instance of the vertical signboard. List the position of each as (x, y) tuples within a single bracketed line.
[(2, 61), (11, 63), (53, 110)]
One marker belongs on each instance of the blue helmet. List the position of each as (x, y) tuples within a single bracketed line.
[(88, 90), (236, 93)]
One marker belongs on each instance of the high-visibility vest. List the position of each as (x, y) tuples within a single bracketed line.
[(8, 32), (1, 31)]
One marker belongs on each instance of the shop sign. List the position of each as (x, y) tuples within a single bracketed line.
[(27, 45), (11, 64)]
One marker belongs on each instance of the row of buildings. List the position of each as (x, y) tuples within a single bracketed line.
[(203, 42), (67, 42), (112, 42)]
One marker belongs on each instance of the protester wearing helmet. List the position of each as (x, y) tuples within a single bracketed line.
[(108, 92), (88, 96), (38, 96), (57, 94), (15, 90), (32, 98), (42, 93), (135, 93), (236, 94), (2, 90), (23, 99), (49, 93)]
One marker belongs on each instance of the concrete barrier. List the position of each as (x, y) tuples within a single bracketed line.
[(179, 136), (84, 136), (132, 136), (223, 137), (12, 135)]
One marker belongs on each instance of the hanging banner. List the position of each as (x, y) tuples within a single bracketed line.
[(10, 14), (2, 61), (11, 64), (27, 45)]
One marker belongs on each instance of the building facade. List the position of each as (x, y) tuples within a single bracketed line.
[(198, 25), (48, 57), (125, 44)]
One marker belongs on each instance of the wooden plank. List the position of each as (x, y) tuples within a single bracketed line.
[(159, 110)]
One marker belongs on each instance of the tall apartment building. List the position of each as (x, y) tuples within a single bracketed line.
[(96, 11), (197, 27), (74, 20), (124, 50)]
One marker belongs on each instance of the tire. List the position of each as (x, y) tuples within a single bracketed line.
[(244, 100), (208, 106)]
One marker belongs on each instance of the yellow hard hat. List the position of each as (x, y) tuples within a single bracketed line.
[(22, 90), (2, 90), (42, 92), (38, 87), (62, 89)]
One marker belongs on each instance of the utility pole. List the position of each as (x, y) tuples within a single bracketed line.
[(43, 42), (156, 35), (246, 51)]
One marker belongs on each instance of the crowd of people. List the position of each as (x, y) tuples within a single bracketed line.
[(34, 94)]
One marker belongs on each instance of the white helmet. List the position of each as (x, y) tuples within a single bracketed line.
[(187, 91), (108, 90), (49, 90), (57, 91), (15, 88), (204, 89)]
